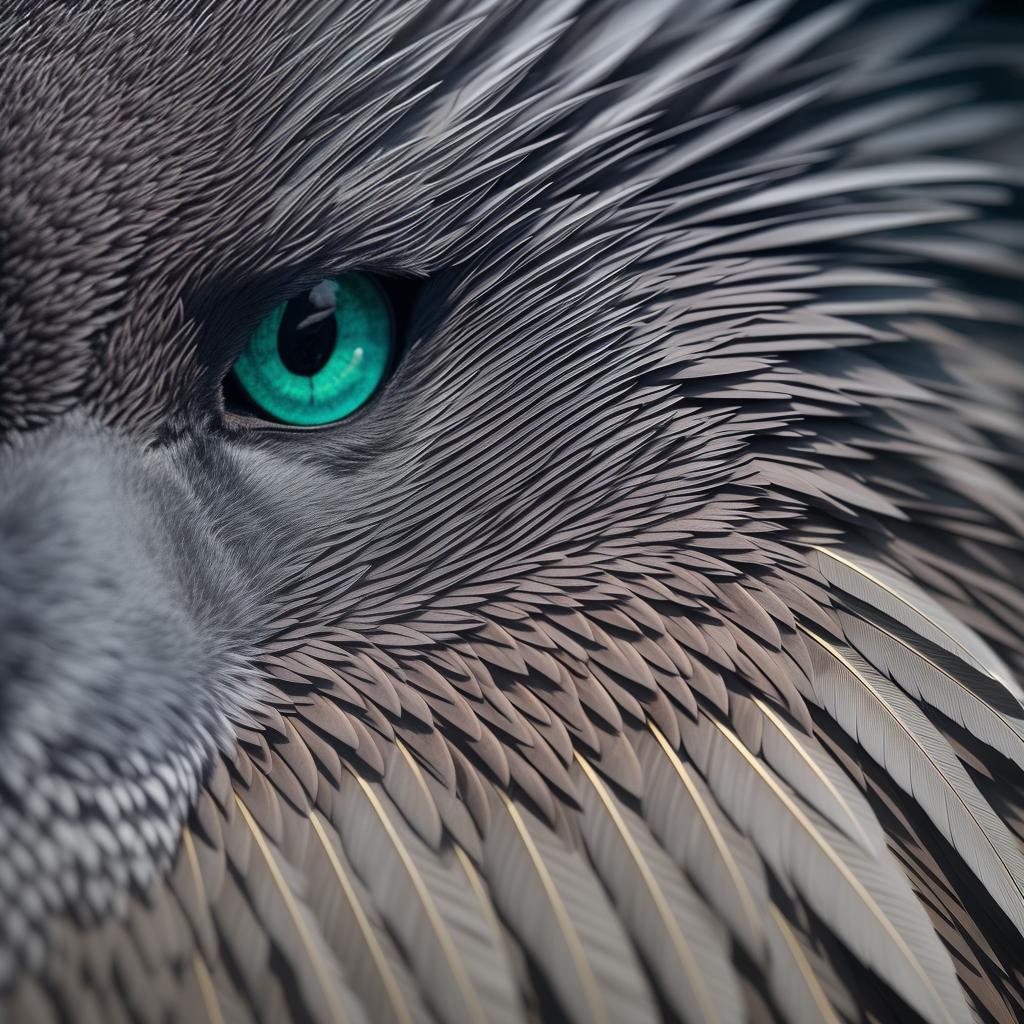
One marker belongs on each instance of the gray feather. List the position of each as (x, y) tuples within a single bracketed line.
[(863, 896), (554, 903), (898, 735), (684, 947)]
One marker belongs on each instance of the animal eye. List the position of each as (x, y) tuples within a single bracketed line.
[(321, 355)]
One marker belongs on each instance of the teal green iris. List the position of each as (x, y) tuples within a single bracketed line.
[(320, 356)]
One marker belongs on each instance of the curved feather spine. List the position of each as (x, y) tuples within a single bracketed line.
[(469, 997), (479, 891), (461, 967), (741, 911), (957, 808), (595, 1004), (203, 924), (554, 903), (940, 684), (782, 990), (825, 792), (207, 990), (695, 1000), (848, 900), (325, 975), (874, 579), (391, 987)]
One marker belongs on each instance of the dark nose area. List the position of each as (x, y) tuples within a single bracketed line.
[(104, 562), (119, 627)]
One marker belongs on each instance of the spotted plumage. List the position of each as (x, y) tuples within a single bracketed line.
[(648, 648)]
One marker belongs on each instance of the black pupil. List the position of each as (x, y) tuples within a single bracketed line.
[(308, 331)]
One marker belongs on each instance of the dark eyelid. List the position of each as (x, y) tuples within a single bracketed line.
[(229, 311)]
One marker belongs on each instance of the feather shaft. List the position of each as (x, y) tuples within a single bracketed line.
[(683, 951), (391, 986)]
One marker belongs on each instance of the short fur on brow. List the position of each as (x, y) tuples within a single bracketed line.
[(648, 649)]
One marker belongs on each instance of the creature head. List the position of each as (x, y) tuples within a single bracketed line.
[(691, 294)]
